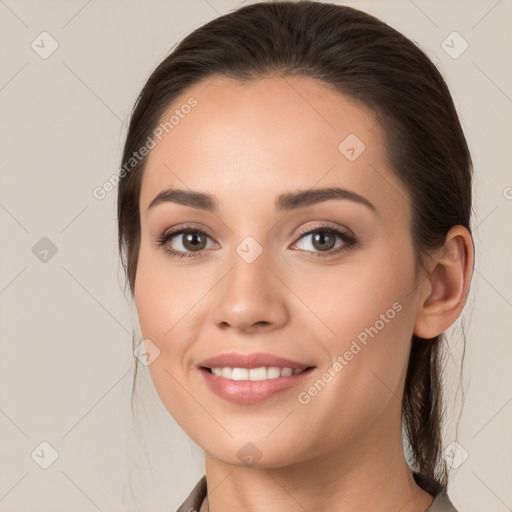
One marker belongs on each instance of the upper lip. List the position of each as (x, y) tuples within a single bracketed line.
[(255, 360)]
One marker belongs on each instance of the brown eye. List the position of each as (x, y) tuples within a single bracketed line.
[(184, 242), (324, 240), (194, 240)]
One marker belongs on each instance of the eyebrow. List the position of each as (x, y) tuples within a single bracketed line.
[(284, 202)]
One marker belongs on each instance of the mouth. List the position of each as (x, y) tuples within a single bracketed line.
[(245, 386), (254, 374)]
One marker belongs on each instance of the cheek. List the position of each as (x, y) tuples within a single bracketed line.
[(364, 310), (163, 294), (165, 311), (150, 299), (343, 300), (368, 307)]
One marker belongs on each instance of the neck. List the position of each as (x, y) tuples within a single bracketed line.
[(368, 473)]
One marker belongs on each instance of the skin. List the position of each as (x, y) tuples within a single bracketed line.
[(245, 144)]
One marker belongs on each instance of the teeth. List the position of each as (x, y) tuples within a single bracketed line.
[(227, 373), (257, 374), (273, 372), (263, 373), (239, 374)]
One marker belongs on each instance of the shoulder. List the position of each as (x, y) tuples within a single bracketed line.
[(441, 503), (195, 498), (436, 489)]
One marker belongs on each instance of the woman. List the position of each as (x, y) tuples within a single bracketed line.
[(294, 223)]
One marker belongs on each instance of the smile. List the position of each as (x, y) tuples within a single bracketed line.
[(262, 373), (251, 385)]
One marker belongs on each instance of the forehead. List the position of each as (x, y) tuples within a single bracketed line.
[(243, 141)]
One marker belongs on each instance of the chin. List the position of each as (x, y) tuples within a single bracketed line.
[(257, 454)]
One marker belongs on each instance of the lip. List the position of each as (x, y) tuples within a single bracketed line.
[(254, 360), (247, 392)]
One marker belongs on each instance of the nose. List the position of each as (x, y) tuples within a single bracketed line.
[(251, 297)]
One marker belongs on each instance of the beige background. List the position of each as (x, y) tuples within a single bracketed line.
[(66, 363)]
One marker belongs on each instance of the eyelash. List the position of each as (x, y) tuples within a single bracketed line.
[(349, 241)]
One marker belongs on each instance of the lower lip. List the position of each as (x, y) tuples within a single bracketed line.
[(250, 391)]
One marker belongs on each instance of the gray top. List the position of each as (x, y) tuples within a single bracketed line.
[(195, 499)]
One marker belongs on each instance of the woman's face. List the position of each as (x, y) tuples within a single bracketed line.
[(252, 281)]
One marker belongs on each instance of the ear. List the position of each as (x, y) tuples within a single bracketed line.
[(444, 291)]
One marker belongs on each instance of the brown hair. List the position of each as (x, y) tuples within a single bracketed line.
[(369, 61)]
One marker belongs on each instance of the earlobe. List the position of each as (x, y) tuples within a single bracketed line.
[(445, 289)]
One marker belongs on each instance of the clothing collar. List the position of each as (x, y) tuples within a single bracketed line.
[(195, 499)]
